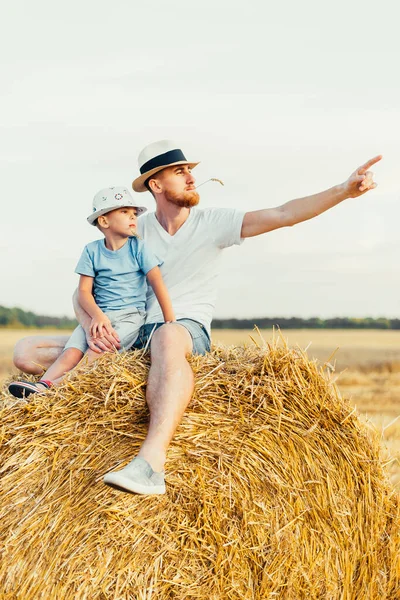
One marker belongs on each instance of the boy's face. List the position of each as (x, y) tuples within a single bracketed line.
[(121, 221)]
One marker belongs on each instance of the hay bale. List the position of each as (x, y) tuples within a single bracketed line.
[(275, 489)]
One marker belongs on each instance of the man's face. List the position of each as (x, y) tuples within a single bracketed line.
[(178, 186)]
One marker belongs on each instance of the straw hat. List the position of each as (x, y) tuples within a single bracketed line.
[(158, 156), (111, 198)]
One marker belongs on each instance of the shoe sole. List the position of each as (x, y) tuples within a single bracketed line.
[(123, 483), (22, 391)]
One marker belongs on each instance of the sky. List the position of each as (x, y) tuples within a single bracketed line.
[(279, 100)]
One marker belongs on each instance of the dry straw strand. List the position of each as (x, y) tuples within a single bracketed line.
[(275, 488)]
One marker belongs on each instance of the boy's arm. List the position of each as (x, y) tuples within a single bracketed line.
[(303, 209), (156, 281), (99, 325)]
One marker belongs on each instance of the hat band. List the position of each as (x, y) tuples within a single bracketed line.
[(162, 160)]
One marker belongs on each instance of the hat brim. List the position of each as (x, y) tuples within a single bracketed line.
[(138, 183), (94, 216)]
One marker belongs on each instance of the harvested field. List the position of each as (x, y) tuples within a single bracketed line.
[(346, 348), (366, 368), (359, 350), (276, 489), (8, 339)]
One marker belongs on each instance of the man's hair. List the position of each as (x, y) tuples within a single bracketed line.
[(146, 183)]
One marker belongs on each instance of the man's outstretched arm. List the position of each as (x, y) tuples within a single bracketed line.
[(303, 209)]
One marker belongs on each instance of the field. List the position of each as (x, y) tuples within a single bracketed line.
[(365, 365)]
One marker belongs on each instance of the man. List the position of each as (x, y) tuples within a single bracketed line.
[(189, 242)]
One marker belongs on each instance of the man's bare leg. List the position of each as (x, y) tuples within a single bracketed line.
[(35, 354), (169, 390)]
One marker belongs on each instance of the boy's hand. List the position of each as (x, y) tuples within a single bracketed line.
[(101, 336), (104, 343), (100, 325)]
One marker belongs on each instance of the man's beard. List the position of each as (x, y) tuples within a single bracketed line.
[(185, 199)]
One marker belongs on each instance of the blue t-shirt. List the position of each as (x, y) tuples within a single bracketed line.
[(119, 275)]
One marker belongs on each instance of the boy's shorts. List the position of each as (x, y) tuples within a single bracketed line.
[(126, 322), (200, 338)]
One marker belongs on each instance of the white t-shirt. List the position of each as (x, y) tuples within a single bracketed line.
[(190, 260)]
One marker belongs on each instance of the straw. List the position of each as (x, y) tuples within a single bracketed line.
[(211, 179), (275, 488)]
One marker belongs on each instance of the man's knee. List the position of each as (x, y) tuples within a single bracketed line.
[(23, 356), (35, 354), (171, 339)]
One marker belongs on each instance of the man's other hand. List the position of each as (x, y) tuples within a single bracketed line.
[(106, 343), (362, 180)]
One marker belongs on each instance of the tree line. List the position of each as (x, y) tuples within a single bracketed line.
[(312, 323), (16, 317)]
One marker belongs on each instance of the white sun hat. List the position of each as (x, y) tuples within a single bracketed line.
[(158, 156), (111, 198)]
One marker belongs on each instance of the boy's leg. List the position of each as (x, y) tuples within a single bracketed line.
[(127, 324), (64, 363), (74, 357), (35, 354), (74, 350), (69, 359)]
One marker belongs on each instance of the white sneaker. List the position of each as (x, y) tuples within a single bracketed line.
[(137, 477)]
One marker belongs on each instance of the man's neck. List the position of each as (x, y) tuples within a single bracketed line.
[(171, 217)]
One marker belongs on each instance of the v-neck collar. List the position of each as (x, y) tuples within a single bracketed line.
[(165, 233)]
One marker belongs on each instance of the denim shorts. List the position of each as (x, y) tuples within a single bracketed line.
[(200, 338), (126, 322)]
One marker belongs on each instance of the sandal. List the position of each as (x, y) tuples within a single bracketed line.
[(23, 389)]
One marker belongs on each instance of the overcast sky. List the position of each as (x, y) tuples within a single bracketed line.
[(278, 100)]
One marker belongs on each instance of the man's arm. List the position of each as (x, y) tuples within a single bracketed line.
[(303, 209)]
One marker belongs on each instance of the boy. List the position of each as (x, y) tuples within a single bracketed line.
[(112, 285)]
